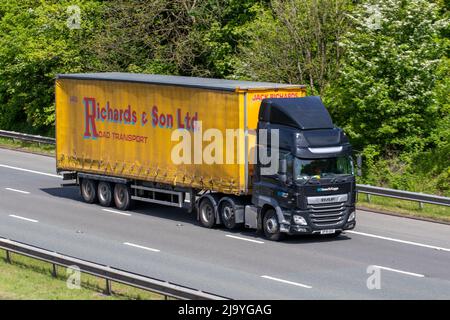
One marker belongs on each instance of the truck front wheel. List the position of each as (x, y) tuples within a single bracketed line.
[(271, 226), (105, 193), (88, 190), (122, 196), (207, 215)]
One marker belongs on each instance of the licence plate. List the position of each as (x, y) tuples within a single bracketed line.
[(327, 231)]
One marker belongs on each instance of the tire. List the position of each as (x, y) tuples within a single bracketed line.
[(206, 213), (227, 215), (88, 190), (105, 193), (271, 226), (122, 196)]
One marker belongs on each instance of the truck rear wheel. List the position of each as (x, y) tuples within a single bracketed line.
[(105, 193), (228, 214), (122, 196), (88, 190), (271, 226), (207, 215)]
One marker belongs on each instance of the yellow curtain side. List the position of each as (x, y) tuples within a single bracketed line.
[(124, 129)]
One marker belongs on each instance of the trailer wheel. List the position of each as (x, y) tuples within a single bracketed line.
[(88, 190), (271, 226), (105, 193), (228, 214), (122, 196), (206, 209)]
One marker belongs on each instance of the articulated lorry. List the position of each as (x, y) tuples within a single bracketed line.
[(239, 153)]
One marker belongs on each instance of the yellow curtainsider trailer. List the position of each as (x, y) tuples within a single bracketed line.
[(137, 126)]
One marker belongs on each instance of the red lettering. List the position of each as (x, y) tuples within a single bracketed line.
[(187, 121), (155, 115), (193, 120), (89, 118), (169, 121), (180, 124), (162, 120)]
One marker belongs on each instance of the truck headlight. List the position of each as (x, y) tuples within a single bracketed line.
[(300, 220), (352, 216)]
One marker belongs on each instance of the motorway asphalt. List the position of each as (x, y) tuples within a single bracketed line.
[(411, 256)]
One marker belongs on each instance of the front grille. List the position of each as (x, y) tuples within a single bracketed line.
[(327, 215)]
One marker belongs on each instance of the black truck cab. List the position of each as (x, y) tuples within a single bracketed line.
[(313, 190)]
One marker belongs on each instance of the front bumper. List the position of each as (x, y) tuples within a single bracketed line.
[(312, 227), (296, 229)]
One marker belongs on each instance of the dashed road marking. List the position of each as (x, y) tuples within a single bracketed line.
[(140, 247), (31, 171), (400, 271), (287, 282), (23, 218), (398, 240), (245, 239), (16, 190), (117, 212)]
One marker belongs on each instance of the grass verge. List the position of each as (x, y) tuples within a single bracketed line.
[(46, 149), (30, 279), (405, 208)]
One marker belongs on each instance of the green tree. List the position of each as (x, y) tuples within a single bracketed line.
[(187, 37), (36, 43), (295, 41), (385, 97)]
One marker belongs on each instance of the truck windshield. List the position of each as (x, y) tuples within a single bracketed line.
[(305, 169)]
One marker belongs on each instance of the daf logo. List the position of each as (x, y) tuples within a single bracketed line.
[(327, 199), (327, 189)]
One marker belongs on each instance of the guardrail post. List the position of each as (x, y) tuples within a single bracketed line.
[(8, 257), (368, 197), (420, 205), (108, 290), (54, 271)]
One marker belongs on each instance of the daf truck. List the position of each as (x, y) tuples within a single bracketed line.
[(238, 153)]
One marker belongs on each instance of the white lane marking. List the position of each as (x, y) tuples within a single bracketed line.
[(22, 218), (398, 240), (31, 171), (240, 238), (117, 212), (16, 190), (140, 247), (400, 271), (288, 282)]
